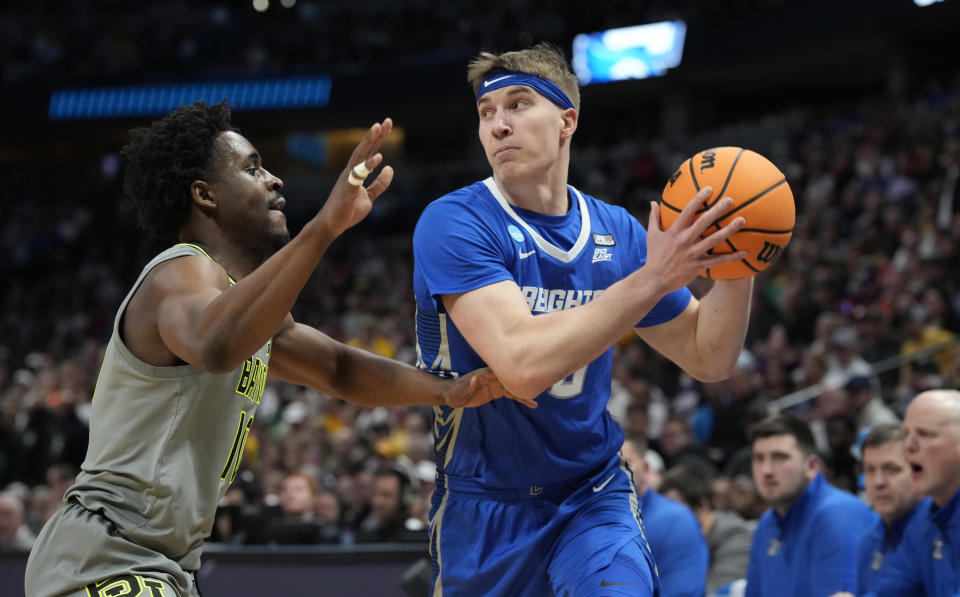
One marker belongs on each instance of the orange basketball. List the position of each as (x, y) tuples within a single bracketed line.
[(760, 195)]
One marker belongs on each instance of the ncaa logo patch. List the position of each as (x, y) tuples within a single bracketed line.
[(515, 233)]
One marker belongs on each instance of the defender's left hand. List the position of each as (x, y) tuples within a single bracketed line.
[(477, 388)]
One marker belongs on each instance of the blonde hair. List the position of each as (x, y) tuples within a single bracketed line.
[(311, 482), (544, 60)]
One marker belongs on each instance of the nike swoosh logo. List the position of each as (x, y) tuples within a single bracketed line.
[(524, 255), (492, 81), (604, 583), (600, 487)]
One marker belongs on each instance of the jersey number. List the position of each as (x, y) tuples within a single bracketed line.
[(570, 386), (129, 585), (236, 451)]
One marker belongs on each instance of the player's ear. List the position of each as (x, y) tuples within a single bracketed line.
[(569, 117), (201, 196)]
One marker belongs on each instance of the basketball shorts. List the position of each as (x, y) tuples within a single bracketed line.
[(79, 553), (577, 539)]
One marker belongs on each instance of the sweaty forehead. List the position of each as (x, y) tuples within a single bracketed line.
[(231, 146)]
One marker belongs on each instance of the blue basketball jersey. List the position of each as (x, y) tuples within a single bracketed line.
[(473, 237)]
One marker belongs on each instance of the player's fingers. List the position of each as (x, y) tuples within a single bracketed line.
[(714, 259), (654, 223), (387, 128), (365, 146), (463, 395), (369, 164), (718, 237), (690, 210), (359, 173), (710, 217), (716, 212), (379, 136), (526, 402), (371, 141), (381, 183)]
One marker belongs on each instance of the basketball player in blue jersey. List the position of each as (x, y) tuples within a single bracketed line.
[(191, 347), (538, 280)]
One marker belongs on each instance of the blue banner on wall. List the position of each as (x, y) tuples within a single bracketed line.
[(151, 100)]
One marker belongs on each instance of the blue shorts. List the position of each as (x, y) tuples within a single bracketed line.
[(582, 538)]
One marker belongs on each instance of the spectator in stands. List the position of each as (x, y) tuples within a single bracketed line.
[(924, 333), (59, 478), (298, 493), (728, 535), (728, 404), (808, 539), (15, 535), (352, 486), (294, 521), (328, 509), (672, 530), (843, 358), (328, 517), (389, 519), (840, 464), (866, 407), (890, 493), (637, 418), (744, 499), (42, 503), (677, 445)]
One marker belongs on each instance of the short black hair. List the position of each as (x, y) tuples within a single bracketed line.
[(164, 158), (786, 424), (403, 479), (693, 485), (883, 434)]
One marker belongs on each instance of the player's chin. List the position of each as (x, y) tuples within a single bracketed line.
[(506, 169), (280, 238)]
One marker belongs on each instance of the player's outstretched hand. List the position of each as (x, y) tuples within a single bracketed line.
[(479, 387), (678, 254), (351, 200)]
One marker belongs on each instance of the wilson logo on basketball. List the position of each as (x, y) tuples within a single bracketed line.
[(675, 176), (708, 160), (769, 252)]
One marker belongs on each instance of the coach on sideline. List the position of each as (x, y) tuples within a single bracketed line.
[(928, 564), (806, 544), (890, 492)]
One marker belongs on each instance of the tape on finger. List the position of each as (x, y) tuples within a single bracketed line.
[(358, 174)]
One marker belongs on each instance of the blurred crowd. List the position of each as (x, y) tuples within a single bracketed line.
[(863, 307), (95, 41)]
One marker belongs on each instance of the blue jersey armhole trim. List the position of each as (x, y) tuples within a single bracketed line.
[(663, 318)]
